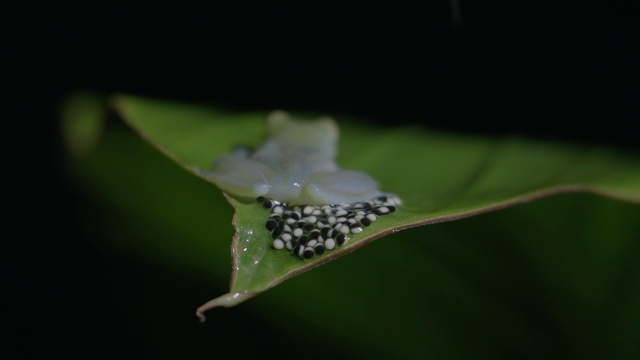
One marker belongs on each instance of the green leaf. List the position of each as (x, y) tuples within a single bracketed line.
[(557, 278), (451, 178), (440, 177), (83, 121)]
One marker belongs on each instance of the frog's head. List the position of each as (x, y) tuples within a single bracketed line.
[(319, 135)]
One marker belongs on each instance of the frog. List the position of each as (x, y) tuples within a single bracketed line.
[(295, 164)]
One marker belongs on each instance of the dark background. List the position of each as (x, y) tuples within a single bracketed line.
[(562, 71)]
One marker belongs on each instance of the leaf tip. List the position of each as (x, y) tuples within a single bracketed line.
[(226, 300), (200, 315)]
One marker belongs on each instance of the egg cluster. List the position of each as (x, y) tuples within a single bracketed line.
[(308, 230)]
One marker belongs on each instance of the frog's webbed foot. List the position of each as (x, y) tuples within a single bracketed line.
[(345, 186), (239, 176)]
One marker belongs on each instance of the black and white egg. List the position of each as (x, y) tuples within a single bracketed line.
[(310, 230)]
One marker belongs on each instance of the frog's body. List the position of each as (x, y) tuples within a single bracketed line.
[(295, 165)]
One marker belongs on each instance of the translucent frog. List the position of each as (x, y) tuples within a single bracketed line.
[(295, 165)]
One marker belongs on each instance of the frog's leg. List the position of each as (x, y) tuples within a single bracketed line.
[(344, 186), (239, 176)]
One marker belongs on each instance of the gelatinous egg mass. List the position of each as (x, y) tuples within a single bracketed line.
[(310, 230)]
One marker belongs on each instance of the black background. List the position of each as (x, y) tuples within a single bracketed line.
[(562, 71)]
